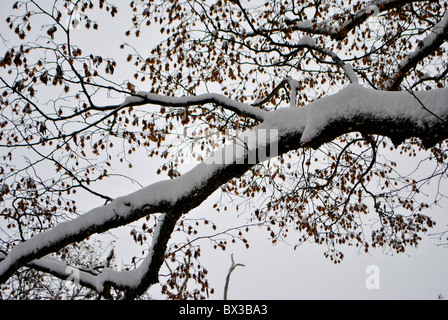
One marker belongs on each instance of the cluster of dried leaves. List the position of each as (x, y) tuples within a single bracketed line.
[(61, 135)]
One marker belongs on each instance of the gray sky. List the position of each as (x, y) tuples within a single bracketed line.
[(280, 272)]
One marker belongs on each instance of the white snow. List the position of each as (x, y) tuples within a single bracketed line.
[(351, 75), (168, 190), (131, 278), (424, 44), (308, 121), (429, 39), (225, 102), (294, 85), (243, 147), (355, 100)]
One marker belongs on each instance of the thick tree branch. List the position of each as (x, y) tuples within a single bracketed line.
[(397, 115), (272, 94), (352, 21), (133, 282), (437, 36)]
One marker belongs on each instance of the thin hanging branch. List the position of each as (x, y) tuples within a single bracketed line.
[(232, 268)]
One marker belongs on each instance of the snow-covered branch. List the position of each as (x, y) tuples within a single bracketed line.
[(437, 35), (104, 278), (217, 99), (352, 21), (398, 115)]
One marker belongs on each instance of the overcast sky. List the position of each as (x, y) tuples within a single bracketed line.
[(280, 272)]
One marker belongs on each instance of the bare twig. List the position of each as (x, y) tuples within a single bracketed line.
[(232, 268)]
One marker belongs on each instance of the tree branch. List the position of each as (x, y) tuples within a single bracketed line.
[(142, 98), (437, 36), (352, 21), (232, 268), (397, 115)]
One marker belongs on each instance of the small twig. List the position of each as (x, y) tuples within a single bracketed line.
[(232, 267), (270, 95), (423, 106)]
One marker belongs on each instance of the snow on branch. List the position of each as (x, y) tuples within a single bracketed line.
[(294, 86), (102, 278), (274, 92), (398, 115), (437, 35), (352, 21), (173, 197), (223, 101), (310, 43)]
